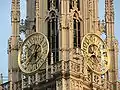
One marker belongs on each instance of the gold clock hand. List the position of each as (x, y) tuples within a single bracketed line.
[(28, 59)]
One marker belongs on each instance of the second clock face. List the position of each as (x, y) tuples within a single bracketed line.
[(96, 53), (33, 53)]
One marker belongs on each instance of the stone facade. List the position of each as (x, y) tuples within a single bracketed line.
[(65, 23)]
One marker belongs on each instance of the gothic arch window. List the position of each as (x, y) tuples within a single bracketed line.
[(76, 32), (53, 37)]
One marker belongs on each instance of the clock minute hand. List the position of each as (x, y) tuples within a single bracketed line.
[(28, 59)]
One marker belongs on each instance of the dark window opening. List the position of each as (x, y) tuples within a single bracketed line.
[(78, 4), (48, 4), (49, 36), (70, 4), (57, 4), (57, 41), (79, 44), (34, 28), (76, 33), (53, 37), (107, 76)]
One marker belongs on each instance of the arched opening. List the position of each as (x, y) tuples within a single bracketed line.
[(53, 38), (76, 31)]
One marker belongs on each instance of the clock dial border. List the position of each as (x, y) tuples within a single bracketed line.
[(44, 45), (86, 43)]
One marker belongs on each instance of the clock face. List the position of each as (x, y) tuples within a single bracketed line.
[(33, 53), (96, 53)]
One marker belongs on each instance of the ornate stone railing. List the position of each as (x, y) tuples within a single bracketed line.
[(75, 67), (27, 81), (53, 69), (57, 67), (41, 76), (5, 86), (18, 85)]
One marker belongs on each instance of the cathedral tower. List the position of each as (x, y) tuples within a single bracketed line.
[(63, 48)]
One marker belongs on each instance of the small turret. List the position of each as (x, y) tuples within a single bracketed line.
[(111, 43)]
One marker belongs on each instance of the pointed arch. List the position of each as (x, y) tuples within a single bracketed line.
[(53, 36), (76, 30)]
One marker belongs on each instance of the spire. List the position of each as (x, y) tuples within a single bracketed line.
[(110, 38), (109, 10), (15, 18), (15, 21), (37, 15), (109, 18)]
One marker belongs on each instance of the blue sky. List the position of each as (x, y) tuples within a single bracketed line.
[(5, 26)]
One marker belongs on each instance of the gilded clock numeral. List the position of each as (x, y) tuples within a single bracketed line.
[(41, 40), (40, 62), (92, 38), (85, 45), (35, 40), (87, 41), (97, 42), (28, 44), (44, 44), (31, 41)]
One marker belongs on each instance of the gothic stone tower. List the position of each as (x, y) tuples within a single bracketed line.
[(78, 58)]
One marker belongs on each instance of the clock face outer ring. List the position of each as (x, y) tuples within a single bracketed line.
[(21, 48), (85, 53)]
